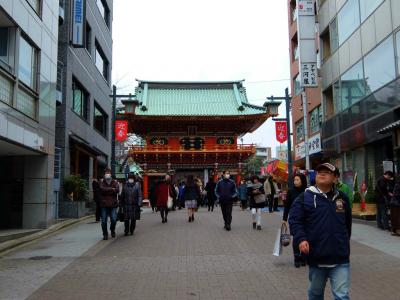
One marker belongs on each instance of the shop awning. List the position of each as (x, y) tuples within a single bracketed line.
[(389, 127)]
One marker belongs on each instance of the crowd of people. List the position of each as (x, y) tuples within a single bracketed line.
[(319, 215)]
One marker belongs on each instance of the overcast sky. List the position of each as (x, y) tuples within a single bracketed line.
[(202, 41)]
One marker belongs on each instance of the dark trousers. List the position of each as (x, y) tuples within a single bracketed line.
[(211, 203), (226, 209), (98, 211), (382, 219), (130, 225), (272, 203), (163, 212)]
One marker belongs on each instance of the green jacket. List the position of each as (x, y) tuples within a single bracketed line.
[(345, 189)]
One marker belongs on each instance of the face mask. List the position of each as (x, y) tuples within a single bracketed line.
[(227, 176), (130, 180), (107, 176)]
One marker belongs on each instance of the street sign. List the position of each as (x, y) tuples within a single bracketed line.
[(78, 23), (281, 132), (121, 130)]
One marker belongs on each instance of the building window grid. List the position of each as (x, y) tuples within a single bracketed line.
[(100, 120), (101, 61), (104, 11), (36, 5), (315, 119), (299, 127), (88, 39), (26, 103), (79, 100), (6, 90)]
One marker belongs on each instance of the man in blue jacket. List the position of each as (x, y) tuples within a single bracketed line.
[(225, 191), (320, 222)]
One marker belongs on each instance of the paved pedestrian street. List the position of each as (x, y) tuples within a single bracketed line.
[(181, 260)]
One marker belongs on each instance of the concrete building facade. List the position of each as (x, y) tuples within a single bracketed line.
[(360, 70), (84, 115), (28, 72)]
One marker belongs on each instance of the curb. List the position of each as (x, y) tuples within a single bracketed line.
[(8, 245)]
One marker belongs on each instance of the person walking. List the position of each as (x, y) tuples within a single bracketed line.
[(320, 222), (96, 198), (299, 186), (191, 196), (153, 197), (130, 202), (210, 189), (257, 200), (270, 191), (242, 193), (383, 189), (343, 187), (164, 191), (181, 200), (225, 191), (395, 208), (109, 189)]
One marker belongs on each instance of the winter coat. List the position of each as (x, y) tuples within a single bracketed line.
[(382, 189), (164, 189), (225, 191), (96, 191), (191, 192), (131, 199), (210, 188), (109, 193), (250, 189), (395, 201), (324, 220), (242, 191), (345, 189), (290, 198)]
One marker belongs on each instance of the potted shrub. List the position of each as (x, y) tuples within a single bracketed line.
[(76, 195)]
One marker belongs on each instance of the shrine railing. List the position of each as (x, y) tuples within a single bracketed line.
[(205, 148)]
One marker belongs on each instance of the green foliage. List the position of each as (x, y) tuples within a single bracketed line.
[(370, 196), (76, 188), (254, 165), (357, 194)]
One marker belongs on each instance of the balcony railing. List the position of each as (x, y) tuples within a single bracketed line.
[(205, 148)]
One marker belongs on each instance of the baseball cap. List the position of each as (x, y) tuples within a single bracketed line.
[(326, 166)]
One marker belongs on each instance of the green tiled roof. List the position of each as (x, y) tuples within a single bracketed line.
[(194, 99)]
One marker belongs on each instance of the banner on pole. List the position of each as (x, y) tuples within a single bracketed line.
[(281, 131), (121, 130)]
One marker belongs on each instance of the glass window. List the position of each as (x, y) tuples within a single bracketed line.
[(299, 127), (101, 62), (379, 65), (6, 90), (88, 38), (79, 100), (315, 119), (27, 63), (104, 11), (333, 35), (296, 84), (295, 52), (367, 7), (352, 85), (100, 120), (336, 97), (398, 51), (4, 43), (348, 20), (26, 103), (35, 4)]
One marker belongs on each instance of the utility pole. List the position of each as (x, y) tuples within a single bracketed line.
[(305, 127), (287, 99)]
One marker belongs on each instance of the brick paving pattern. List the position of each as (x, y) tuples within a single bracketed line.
[(200, 260)]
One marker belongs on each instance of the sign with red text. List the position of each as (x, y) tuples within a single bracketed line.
[(281, 131), (121, 130)]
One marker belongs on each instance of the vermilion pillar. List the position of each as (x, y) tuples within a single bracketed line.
[(239, 174)]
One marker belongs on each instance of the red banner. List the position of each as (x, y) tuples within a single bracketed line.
[(121, 130), (281, 131)]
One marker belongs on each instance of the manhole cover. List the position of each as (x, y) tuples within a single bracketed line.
[(40, 257)]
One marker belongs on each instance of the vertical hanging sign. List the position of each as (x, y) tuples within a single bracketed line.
[(281, 132), (306, 43), (121, 130), (78, 23)]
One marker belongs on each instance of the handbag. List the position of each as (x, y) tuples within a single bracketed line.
[(277, 245), (260, 198), (137, 213), (285, 236), (170, 202), (120, 214)]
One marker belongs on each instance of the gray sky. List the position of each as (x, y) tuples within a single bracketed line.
[(205, 40)]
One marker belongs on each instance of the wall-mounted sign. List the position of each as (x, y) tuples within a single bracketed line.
[(78, 22), (225, 141), (158, 141), (121, 130), (305, 8), (314, 146)]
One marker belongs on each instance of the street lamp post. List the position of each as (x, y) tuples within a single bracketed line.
[(287, 99), (114, 97)]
